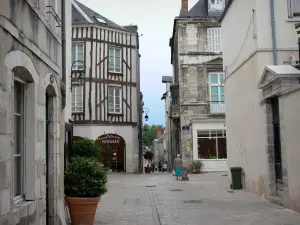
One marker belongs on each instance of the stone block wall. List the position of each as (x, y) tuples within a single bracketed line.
[(30, 51)]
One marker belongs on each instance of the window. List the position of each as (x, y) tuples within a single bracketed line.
[(77, 57), (100, 20), (212, 144), (77, 98), (19, 139), (114, 60), (216, 5), (114, 99), (214, 40), (216, 81), (293, 8)]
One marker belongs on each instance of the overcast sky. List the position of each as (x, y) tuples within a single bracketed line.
[(155, 21)]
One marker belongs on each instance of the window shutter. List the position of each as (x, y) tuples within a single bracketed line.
[(214, 39)]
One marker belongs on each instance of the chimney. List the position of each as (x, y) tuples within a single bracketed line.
[(184, 6), (159, 132)]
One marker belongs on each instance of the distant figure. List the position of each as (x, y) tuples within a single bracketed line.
[(165, 166), (178, 167), (153, 166), (159, 166)]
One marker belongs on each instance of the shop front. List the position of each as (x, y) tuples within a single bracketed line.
[(209, 144)]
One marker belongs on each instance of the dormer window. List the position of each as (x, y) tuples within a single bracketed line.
[(216, 5), (100, 20)]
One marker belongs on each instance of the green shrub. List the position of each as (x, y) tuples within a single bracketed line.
[(85, 177), (86, 148)]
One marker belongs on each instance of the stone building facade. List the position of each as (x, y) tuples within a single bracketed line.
[(31, 112), (197, 92), (261, 96)]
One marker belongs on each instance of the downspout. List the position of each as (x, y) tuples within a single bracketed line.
[(273, 26), (63, 46)]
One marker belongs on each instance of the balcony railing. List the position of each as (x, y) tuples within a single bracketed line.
[(217, 107)]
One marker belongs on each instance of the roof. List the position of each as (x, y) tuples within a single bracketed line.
[(200, 10), (81, 14)]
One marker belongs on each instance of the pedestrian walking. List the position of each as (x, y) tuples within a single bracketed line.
[(153, 166), (159, 166), (178, 167)]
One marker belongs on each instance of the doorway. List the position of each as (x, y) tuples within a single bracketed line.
[(277, 143), (113, 152), (47, 156)]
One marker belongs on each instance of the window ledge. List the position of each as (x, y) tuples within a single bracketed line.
[(294, 19), (213, 159), (115, 73), (115, 114), (23, 204)]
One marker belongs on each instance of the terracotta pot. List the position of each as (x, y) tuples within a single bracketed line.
[(147, 169), (82, 210), (197, 172)]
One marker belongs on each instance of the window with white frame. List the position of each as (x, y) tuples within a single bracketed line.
[(114, 99), (19, 139), (214, 40), (114, 62), (293, 8), (78, 56), (212, 144), (216, 87), (77, 98)]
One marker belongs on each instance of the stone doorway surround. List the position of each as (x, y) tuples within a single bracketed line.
[(279, 80)]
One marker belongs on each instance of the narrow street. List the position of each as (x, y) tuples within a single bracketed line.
[(205, 199)]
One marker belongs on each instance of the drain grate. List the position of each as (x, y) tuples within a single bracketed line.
[(230, 191), (192, 201), (175, 189), (225, 175), (150, 186)]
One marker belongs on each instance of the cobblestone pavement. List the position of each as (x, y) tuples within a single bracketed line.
[(204, 200)]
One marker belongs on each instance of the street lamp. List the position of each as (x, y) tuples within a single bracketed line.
[(80, 69), (146, 111)]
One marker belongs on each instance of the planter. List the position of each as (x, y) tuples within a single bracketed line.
[(147, 169), (197, 172), (82, 210)]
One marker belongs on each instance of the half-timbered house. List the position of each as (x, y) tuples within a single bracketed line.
[(106, 86)]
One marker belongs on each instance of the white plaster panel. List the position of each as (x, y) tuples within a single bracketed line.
[(127, 132)]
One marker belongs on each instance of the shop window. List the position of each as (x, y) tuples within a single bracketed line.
[(212, 144)]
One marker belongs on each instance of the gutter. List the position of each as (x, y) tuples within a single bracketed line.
[(273, 26), (63, 46)]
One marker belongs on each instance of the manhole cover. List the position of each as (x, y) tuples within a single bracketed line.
[(230, 191), (175, 189), (150, 186), (192, 201)]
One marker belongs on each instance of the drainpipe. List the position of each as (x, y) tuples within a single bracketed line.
[(63, 46), (273, 26)]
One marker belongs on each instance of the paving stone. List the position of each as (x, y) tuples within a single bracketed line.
[(129, 201)]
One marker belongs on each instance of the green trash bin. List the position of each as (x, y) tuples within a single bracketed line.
[(236, 175)]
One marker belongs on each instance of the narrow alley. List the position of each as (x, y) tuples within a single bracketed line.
[(206, 199)]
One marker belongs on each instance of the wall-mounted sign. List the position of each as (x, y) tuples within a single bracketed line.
[(185, 128), (108, 139)]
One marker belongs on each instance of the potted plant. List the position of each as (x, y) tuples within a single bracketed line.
[(196, 166), (148, 156), (85, 182)]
